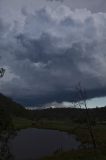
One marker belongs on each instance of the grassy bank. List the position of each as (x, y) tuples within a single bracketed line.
[(80, 130), (78, 155), (21, 123)]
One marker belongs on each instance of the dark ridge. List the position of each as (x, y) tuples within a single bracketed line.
[(11, 107)]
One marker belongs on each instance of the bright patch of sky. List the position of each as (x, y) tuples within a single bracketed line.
[(92, 103), (97, 102)]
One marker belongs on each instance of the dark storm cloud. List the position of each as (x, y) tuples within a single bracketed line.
[(93, 5), (60, 96), (52, 53)]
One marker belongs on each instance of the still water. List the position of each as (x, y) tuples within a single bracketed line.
[(32, 144)]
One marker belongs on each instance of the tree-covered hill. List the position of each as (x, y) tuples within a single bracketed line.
[(14, 109), (74, 114), (11, 107)]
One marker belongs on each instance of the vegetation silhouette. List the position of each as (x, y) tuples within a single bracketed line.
[(6, 129)]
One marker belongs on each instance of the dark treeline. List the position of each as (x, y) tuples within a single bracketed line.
[(75, 114)]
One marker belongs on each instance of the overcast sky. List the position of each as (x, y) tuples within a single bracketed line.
[(48, 47)]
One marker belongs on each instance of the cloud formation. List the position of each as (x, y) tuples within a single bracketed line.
[(52, 52)]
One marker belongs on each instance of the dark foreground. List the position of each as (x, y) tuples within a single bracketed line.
[(14, 117)]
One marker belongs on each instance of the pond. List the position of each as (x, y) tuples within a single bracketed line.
[(32, 144)]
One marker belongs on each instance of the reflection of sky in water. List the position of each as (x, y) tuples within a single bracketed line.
[(99, 102)]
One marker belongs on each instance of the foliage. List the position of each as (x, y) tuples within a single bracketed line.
[(6, 129)]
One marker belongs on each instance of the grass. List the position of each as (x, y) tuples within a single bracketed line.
[(80, 130), (77, 155), (21, 123)]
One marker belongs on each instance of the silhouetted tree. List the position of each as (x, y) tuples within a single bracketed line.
[(82, 97), (6, 130), (2, 71)]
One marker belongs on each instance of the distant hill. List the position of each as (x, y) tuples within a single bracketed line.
[(11, 107), (17, 110), (75, 114)]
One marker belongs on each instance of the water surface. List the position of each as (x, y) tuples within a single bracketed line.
[(32, 144)]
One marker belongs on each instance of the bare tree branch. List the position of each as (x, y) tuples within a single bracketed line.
[(2, 71), (82, 97)]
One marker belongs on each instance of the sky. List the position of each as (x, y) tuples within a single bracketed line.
[(49, 46)]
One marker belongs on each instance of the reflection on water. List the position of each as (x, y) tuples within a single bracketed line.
[(35, 143)]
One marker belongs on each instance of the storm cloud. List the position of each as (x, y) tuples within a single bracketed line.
[(51, 53)]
